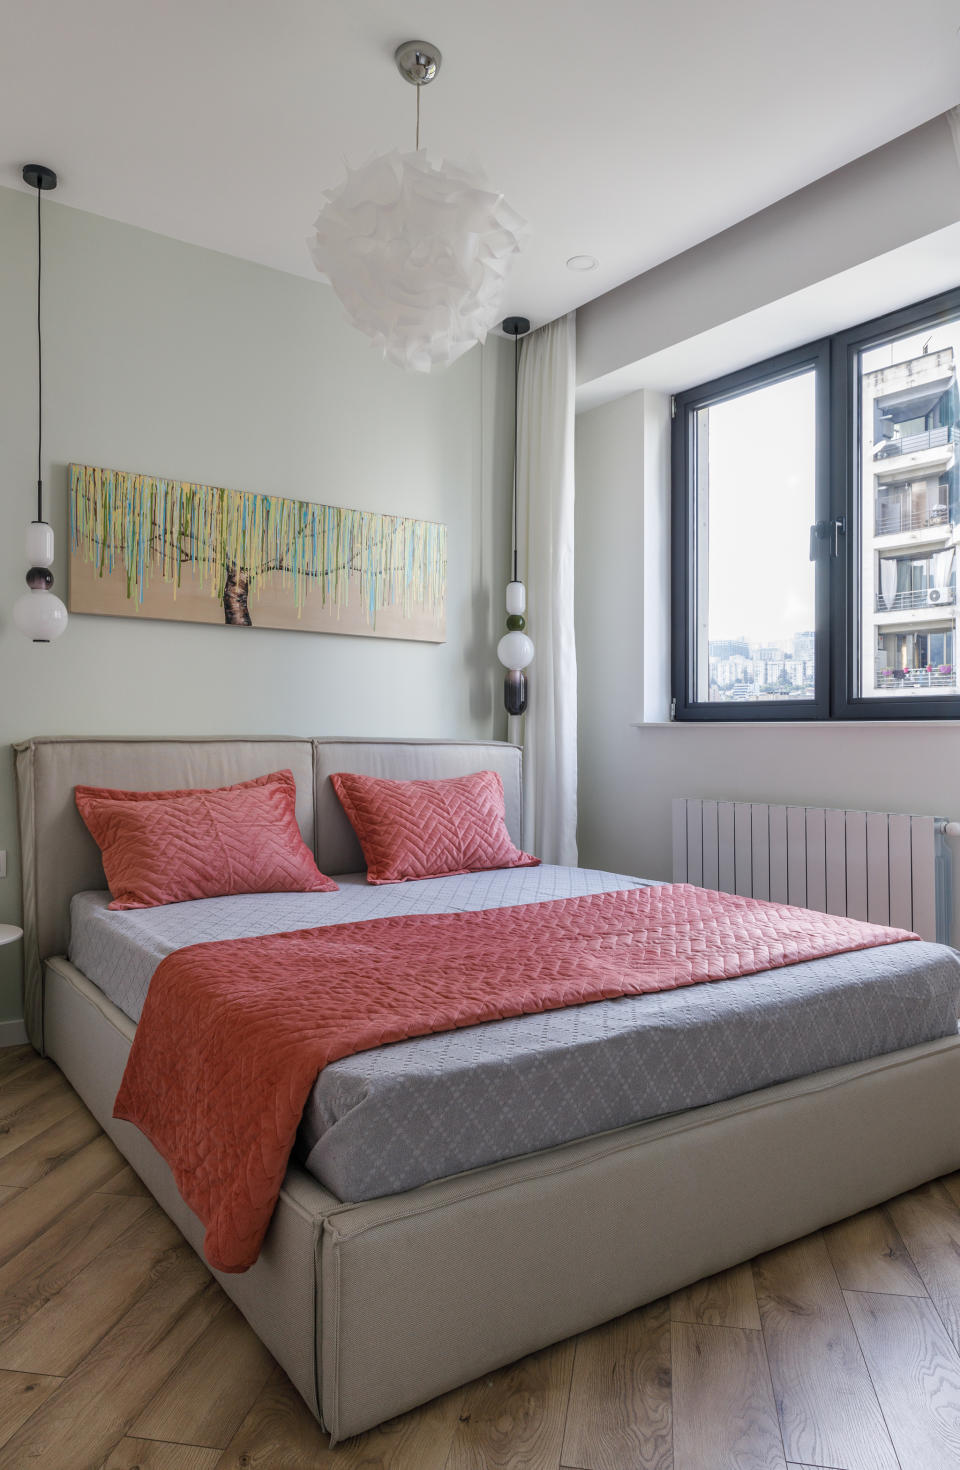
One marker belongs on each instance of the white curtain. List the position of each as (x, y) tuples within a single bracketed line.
[(888, 580), (545, 490), (941, 568)]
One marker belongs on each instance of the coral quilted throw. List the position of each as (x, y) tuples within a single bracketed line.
[(234, 1033)]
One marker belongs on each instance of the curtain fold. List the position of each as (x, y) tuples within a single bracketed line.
[(888, 580), (545, 497), (941, 567)]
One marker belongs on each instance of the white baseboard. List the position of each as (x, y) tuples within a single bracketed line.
[(12, 1033)]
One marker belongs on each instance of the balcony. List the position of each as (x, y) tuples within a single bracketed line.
[(894, 519), (909, 681), (930, 598), (915, 443)]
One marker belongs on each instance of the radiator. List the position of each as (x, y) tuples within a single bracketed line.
[(882, 866)]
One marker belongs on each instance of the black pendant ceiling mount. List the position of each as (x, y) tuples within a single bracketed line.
[(38, 176)]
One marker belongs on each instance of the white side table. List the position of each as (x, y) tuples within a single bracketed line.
[(9, 933)]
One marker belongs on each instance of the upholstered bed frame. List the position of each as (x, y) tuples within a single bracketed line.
[(373, 1308)]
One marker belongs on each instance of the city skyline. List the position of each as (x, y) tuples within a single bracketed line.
[(740, 668)]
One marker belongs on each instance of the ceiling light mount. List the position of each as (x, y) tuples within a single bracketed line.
[(38, 176), (516, 326), (418, 61)]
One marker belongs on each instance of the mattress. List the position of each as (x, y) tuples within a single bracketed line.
[(388, 1120)]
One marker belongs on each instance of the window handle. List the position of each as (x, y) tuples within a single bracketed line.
[(823, 530)]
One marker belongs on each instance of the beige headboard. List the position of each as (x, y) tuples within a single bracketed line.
[(59, 857)]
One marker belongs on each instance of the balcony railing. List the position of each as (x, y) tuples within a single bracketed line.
[(892, 519), (907, 601), (913, 443), (904, 679)]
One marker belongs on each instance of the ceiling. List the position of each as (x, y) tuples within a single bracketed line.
[(622, 129)]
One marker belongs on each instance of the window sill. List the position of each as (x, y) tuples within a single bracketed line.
[(793, 724)]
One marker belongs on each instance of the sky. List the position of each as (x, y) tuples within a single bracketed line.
[(762, 500), (761, 509)]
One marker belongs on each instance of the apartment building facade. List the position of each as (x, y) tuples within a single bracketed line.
[(911, 525)]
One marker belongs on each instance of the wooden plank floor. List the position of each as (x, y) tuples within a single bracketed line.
[(840, 1351)]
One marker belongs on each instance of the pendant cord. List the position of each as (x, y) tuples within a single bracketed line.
[(516, 414), (419, 89), (39, 364)]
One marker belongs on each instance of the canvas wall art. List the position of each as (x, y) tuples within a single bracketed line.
[(146, 547)]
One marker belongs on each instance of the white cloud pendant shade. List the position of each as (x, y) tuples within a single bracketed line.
[(418, 253), (38, 613)]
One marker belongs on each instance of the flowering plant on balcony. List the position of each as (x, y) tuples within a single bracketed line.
[(929, 668), (945, 669)]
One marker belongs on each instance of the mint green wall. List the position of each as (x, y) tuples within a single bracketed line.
[(178, 361)]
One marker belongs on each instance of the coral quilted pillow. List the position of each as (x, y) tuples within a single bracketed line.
[(167, 846), (428, 829)]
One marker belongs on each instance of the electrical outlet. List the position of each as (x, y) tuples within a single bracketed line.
[(3, 862)]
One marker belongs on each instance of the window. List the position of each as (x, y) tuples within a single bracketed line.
[(756, 463), (815, 529)]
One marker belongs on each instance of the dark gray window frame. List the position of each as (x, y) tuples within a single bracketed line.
[(838, 518), (685, 558)]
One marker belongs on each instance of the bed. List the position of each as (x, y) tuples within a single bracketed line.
[(406, 1257)]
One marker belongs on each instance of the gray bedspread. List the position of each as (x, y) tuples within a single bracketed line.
[(390, 1119)]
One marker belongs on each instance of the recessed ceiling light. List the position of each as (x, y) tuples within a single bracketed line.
[(582, 263)]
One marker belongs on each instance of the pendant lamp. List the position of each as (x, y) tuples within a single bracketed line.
[(515, 649), (417, 248), (39, 614)]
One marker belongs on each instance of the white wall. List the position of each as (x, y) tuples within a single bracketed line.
[(609, 620), (854, 238), (783, 265), (173, 360), (631, 763)]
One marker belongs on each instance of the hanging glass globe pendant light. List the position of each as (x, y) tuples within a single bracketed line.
[(515, 649), (417, 248), (39, 614)]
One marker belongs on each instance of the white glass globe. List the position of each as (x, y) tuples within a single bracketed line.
[(515, 650), (40, 615)]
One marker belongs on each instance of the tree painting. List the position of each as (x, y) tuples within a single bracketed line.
[(142, 546)]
